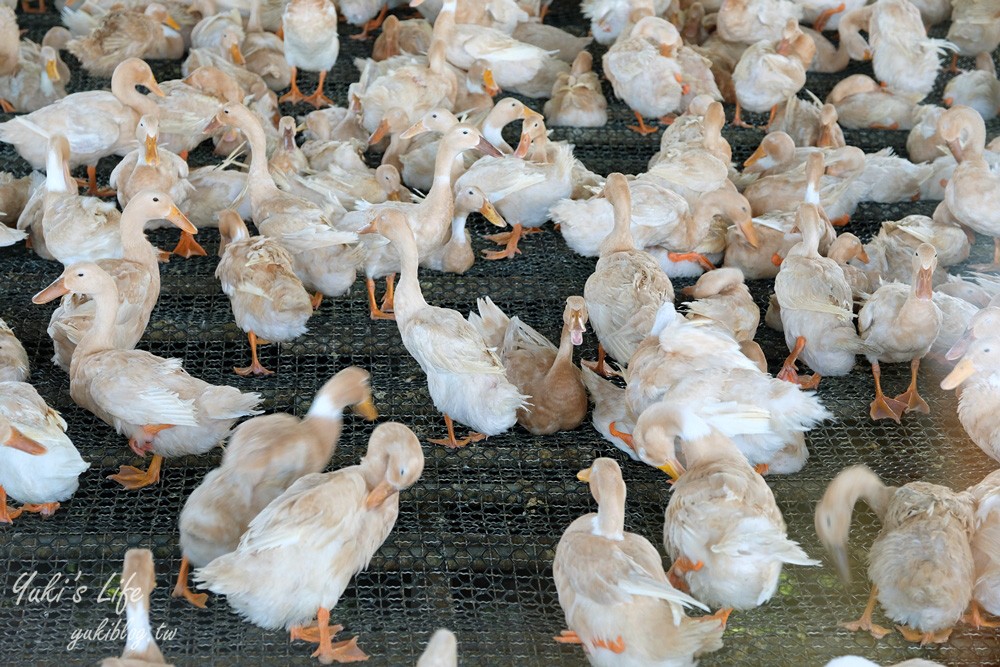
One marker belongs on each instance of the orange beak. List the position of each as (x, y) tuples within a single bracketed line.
[(379, 494), (490, 84), (237, 55), (152, 156), (52, 292), (52, 71), (749, 232), (171, 23), (948, 101), (863, 256), (154, 87), (758, 154), (18, 440), (366, 410), (181, 221), (379, 133), (523, 145), (925, 289), (492, 215)]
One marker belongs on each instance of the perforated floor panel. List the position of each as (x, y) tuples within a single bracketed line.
[(473, 547)]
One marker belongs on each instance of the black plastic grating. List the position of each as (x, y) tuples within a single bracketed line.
[(473, 547)]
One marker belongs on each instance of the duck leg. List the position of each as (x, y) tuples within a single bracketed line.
[(390, 293), (910, 397), (451, 442), (7, 513), (975, 618), (616, 646), (788, 372), (92, 189), (133, 478), (322, 632), (738, 118), (641, 128), (374, 24), (911, 635), (679, 568), (865, 622), (181, 590), (599, 366), (28, 9), (316, 300), (691, 257), (45, 509), (722, 616), (7, 106), (820, 23), (995, 266), (255, 367), (187, 247), (294, 95), (568, 637), (511, 238), (318, 99), (882, 407), (954, 62), (375, 312)]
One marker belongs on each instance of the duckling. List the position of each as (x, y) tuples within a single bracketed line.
[(328, 549), (311, 43), (976, 373), (920, 565), (978, 88), (129, 33), (722, 528), (900, 323), (577, 100), (268, 299), (264, 457), (722, 297), (986, 594), (770, 72), (627, 286), (138, 579), (153, 400), (14, 365), (614, 593), (39, 466), (456, 255), (557, 400), (862, 103)]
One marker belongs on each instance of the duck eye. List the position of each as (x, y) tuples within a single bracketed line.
[(156, 199), (79, 275)]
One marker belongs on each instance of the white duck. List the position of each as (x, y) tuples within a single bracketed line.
[(14, 365), (441, 651), (986, 594), (768, 73), (311, 43), (138, 579), (977, 374)]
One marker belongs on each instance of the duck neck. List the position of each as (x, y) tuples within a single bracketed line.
[(440, 196), (135, 246), (492, 129), (610, 521), (139, 632), (620, 238), (261, 184), (123, 88), (458, 227), (55, 173), (409, 297), (444, 24), (45, 84), (101, 335), (565, 353)]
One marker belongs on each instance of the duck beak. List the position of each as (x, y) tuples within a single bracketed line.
[(777, 259), (393, 196), (154, 87), (672, 468), (948, 101), (152, 157), (825, 137), (685, 88), (52, 292), (490, 84), (584, 475), (491, 214), (171, 23), (784, 47), (18, 440), (379, 133), (486, 147), (962, 371), (379, 494), (667, 50), (621, 435), (523, 145), (288, 139), (366, 410), (758, 154), (414, 130), (863, 256), (925, 288), (237, 55), (749, 232), (960, 347), (181, 221), (577, 328), (52, 71)]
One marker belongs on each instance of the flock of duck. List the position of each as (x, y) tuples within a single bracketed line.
[(694, 397)]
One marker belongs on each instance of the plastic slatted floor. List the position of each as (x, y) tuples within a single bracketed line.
[(473, 547)]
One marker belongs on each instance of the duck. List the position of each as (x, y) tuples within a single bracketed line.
[(891, 250), (855, 661), (903, 56), (577, 100), (137, 279), (96, 123), (817, 306), (920, 565), (976, 374), (211, 31), (324, 258), (698, 127), (456, 255), (972, 196), (410, 37), (441, 651), (264, 456), (352, 187), (844, 250), (978, 88), (168, 412), (264, 53), (129, 33), (36, 82), (862, 103), (312, 44), (616, 598), (722, 296), (923, 143), (267, 298), (900, 323), (809, 123), (331, 549), (973, 30), (751, 21), (644, 72), (621, 306), (14, 364), (138, 579), (188, 106), (459, 380), (287, 158), (41, 466), (557, 399), (722, 528), (775, 237), (610, 18), (550, 38), (984, 541), (768, 73)]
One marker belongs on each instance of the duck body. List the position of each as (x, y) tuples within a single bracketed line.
[(641, 76), (14, 364), (984, 541), (128, 33), (980, 395)]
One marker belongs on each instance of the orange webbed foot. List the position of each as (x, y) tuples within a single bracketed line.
[(568, 637), (347, 651), (913, 402), (975, 618), (453, 443), (253, 369), (911, 635), (8, 513), (886, 408), (876, 631), (187, 247), (45, 509), (642, 128), (616, 646), (722, 616)]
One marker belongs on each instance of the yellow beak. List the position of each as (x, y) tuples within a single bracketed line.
[(673, 469), (379, 494), (236, 54), (366, 409), (181, 221), (963, 371), (584, 475), (492, 89), (52, 71), (757, 155), (171, 23), (379, 133), (492, 215), (750, 232), (152, 157)]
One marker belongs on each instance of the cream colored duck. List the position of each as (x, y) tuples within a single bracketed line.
[(923, 143), (809, 123), (210, 31), (136, 276), (267, 298), (188, 106), (96, 123), (557, 400), (920, 565), (465, 377), (456, 255), (287, 158), (311, 44), (904, 58), (321, 255), (138, 579), (900, 323), (722, 528), (353, 188), (330, 548), (644, 72), (577, 100), (750, 21), (986, 594), (264, 53), (817, 306), (844, 250), (891, 251), (978, 88), (721, 296), (398, 38), (977, 375), (610, 18), (40, 466), (123, 34), (613, 591), (14, 366), (698, 127), (627, 286), (36, 82), (153, 400), (264, 456), (769, 72), (862, 103), (441, 651), (974, 29)]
